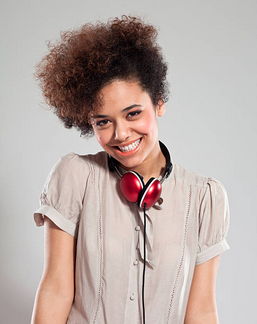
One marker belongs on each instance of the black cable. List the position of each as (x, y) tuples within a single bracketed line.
[(143, 283)]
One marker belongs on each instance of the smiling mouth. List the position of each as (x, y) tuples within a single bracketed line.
[(129, 147)]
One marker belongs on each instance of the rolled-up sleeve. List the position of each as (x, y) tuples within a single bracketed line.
[(61, 199), (214, 220)]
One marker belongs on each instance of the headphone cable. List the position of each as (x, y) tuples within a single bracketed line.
[(143, 281)]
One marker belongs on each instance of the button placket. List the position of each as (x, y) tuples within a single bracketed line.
[(135, 263), (149, 239), (132, 310)]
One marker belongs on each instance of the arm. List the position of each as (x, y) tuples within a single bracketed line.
[(201, 307), (56, 290)]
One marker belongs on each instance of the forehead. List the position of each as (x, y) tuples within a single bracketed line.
[(120, 93)]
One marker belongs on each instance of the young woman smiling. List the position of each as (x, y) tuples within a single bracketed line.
[(126, 127), (130, 236)]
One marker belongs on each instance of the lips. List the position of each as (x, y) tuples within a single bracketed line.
[(130, 147)]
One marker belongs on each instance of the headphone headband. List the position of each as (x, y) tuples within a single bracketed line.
[(169, 165)]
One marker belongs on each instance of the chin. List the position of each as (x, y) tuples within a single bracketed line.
[(130, 164)]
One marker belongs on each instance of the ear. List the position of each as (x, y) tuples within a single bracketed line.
[(160, 108)]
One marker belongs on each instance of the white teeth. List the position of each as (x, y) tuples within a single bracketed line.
[(130, 147)]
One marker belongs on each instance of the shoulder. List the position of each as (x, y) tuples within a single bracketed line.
[(189, 177), (73, 162), (194, 179)]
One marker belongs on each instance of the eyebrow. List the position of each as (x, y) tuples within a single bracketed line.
[(123, 110)]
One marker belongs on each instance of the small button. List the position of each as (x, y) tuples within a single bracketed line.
[(137, 228), (132, 297), (135, 262)]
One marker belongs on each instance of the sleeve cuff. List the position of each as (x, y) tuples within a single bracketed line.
[(211, 252), (57, 218)]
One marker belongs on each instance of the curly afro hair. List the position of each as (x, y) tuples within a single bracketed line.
[(85, 60)]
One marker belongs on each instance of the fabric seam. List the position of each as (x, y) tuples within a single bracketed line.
[(101, 251), (182, 256)]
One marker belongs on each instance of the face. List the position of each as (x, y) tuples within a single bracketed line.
[(126, 125)]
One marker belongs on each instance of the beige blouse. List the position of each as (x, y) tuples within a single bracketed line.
[(82, 197)]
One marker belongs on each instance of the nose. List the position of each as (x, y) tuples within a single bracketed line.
[(122, 131)]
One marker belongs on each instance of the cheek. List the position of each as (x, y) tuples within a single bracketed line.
[(102, 137), (148, 123), (97, 135)]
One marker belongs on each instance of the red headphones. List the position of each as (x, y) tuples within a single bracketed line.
[(132, 185)]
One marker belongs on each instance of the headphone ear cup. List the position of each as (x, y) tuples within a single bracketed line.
[(131, 185), (150, 193)]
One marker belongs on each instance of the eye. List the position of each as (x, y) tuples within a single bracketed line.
[(102, 122), (134, 113)]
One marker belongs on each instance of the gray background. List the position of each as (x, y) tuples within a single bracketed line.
[(209, 127)]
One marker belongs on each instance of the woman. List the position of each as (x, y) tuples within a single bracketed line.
[(120, 246)]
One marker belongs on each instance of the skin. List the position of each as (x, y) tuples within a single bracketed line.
[(201, 306), (127, 114), (56, 290)]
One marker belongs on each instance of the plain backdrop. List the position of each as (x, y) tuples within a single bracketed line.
[(209, 127)]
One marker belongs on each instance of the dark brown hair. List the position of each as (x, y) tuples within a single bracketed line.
[(78, 66)]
